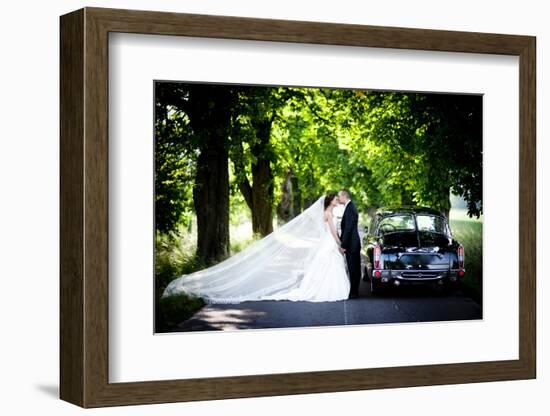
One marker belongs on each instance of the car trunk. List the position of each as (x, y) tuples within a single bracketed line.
[(403, 251)]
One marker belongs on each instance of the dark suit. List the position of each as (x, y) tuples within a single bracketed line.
[(352, 244)]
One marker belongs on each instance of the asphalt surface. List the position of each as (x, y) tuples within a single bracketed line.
[(400, 304)]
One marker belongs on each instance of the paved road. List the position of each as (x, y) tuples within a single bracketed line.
[(403, 304)]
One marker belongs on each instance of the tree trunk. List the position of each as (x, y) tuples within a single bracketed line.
[(285, 208), (259, 195), (444, 206), (262, 197), (296, 196), (447, 207), (210, 118), (406, 198), (211, 200)]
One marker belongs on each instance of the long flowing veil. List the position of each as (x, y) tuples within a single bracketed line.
[(270, 266)]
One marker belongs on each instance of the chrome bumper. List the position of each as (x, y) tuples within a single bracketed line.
[(423, 275)]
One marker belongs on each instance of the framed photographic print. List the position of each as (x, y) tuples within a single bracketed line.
[(254, 207)]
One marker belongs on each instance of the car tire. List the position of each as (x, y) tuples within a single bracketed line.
[(366, 274), (374, 287)]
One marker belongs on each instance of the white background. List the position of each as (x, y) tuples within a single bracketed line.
[(131, 231), (30, 159)]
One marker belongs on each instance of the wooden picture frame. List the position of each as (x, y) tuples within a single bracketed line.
[(84, 207)]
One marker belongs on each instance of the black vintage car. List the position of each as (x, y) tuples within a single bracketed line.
[(411, 245)]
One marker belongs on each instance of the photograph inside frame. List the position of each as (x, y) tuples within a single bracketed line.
[(292, 207)]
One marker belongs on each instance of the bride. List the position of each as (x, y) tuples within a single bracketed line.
[(299, 261)]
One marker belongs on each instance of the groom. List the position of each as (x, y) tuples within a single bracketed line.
[(351, 245)]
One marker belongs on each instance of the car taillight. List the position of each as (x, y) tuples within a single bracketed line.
[(376, 260), (460, 253)]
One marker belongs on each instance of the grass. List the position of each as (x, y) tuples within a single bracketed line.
[(175, 256), (469, 232), (175, 309)]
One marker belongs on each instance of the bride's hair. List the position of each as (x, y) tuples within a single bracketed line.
[(329, 197)]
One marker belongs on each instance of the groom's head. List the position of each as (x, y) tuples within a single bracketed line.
[(344, 196)]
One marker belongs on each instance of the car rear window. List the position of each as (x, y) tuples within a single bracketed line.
[(396, 223), (432, 224)]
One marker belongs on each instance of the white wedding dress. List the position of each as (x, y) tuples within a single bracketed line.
[(298, 261)]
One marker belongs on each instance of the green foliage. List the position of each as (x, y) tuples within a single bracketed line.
[(174, 256), (311, 140), (175, 309), (456, 137), (469, 232), (175, 162), (388, 148), (240, 244)]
